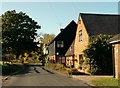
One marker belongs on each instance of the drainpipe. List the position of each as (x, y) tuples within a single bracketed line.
[(113, 59)]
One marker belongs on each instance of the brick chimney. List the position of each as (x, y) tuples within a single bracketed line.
[(61, 29)]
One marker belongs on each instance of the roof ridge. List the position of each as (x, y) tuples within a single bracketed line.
[(71, 22), (101, 14)]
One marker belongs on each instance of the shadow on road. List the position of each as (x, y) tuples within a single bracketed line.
[(32, 68), (36, 70), (26, 70), (48, 71)]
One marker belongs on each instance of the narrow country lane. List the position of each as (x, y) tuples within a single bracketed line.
[(37, 76)]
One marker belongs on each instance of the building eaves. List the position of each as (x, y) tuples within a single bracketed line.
[(115, 39)]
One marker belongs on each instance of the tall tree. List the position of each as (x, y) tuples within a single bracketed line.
[(18, 33), (47, 38), (99, 53)]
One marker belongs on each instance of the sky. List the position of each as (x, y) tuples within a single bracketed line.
[(55, 15)]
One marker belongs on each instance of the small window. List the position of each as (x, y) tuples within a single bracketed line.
[(60, 44), (80, 35), (70, 48)]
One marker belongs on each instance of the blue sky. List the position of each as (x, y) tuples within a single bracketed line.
[(55, 15)]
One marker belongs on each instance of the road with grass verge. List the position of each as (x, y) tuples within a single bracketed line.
[(38, 76), (9, 69)]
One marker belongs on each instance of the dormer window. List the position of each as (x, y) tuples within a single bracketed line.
[(60, 44), (80, 35)]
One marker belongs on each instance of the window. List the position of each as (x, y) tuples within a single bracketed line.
[(81, 61), (60, 44), (61, 59), (70, 48), (80, 35)]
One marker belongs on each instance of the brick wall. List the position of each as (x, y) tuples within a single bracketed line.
[(117, 59), (79, 46)]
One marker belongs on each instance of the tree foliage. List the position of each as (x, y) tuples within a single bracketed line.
[(100, 53), (47, 38), (18, 33)]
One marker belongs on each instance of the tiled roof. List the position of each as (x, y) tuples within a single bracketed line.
[(101, 23), (67, 35), (67, 32)]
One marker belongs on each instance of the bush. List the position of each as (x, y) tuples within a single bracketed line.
[(99, 52), (58, 67)]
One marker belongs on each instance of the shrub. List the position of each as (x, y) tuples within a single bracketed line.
[(58, 67), (99, 52)]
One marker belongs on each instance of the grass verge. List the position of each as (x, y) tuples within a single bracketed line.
[(112, 82), (8, 69), (64, 70), (58, 67)]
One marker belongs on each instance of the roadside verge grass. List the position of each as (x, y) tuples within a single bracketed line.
[(8, 69), (57, 67), (112, 82), (64, 70)]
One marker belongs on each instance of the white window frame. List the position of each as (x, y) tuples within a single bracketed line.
[(80, 36)]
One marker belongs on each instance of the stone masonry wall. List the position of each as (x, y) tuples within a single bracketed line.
[(79, 46), (117, 60)]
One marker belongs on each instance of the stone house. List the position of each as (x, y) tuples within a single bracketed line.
[(89, 25), (75, 37), (115, 41)]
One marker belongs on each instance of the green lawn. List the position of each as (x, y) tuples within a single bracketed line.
[(106, 82), (8, 69)]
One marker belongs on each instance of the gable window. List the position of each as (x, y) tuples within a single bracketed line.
[(70, 48), (60, 44), (80, 35)]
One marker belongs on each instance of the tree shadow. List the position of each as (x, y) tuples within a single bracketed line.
[(27, 69), (48, 71), (36, 70)]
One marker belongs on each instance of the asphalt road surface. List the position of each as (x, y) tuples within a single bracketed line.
[(37, 76)]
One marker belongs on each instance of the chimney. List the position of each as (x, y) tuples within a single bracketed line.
[(61, 29)]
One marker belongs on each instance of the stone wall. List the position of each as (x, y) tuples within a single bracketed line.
[(79, 46), (117, 59)]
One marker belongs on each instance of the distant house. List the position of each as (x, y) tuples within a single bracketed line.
[(70, 43), (59, 46), (115, 41), (89, 25)]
